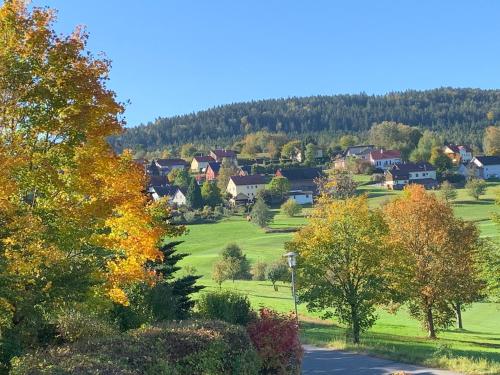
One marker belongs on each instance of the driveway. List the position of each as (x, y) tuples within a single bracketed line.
[(321, 361)]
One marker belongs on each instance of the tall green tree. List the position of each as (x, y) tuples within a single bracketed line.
[(227, 169), (491, 140), (310, 154), (261, 214), (429, 141), (279, 187), (342, 261), (182, 179), (211, 194), (475, 187), (194, 199)]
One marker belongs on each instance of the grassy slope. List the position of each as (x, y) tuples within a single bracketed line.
[(397, 336)]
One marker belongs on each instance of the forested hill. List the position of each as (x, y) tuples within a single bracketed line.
[(461, 114)]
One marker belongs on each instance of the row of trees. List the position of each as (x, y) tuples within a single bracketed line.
[(414, 252), (461, 114)]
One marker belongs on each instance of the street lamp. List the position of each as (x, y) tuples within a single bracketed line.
[(291, 257)]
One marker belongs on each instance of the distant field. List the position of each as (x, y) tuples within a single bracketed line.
[(396, 336)]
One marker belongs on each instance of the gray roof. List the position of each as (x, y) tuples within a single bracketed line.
[(489, 160), (255, 179)]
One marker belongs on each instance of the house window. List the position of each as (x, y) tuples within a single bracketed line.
[(416, 174)]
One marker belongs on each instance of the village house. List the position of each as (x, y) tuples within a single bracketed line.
[(299, 155), (401, 175), (212, 171), (361, 152), (200, 163), (384, 159), (221, 154), (483, 167), (301, 178), (458, 153), (300, 196), (166, 165), (175, 194), (245, 188)]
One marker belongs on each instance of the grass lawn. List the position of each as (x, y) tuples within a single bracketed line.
[(395, 336)]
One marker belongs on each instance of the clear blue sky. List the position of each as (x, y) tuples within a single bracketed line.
[(175, 57)]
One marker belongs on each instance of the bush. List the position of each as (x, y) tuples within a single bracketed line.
[(227, 306), (291, 208), (74, 325), (259, 271), (276, 338), (186, 348)]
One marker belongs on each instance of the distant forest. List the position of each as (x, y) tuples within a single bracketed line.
[(460, 115)]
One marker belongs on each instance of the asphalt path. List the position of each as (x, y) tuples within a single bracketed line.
[(322, 361)]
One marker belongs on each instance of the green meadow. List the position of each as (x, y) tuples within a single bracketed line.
[(476, 349)]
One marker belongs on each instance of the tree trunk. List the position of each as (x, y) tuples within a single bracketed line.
[(430, 324), (458, 313), (355, 325)]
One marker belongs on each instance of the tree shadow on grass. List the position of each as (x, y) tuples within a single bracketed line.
[(402, 348), (485, 201)]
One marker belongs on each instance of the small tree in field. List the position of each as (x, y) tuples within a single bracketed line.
[(447, 191), (291, 208), (277, 272), (259, 271), (261, 214), (475, 187), (219, 272)]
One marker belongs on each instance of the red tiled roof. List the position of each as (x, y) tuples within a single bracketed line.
[(385, 154)]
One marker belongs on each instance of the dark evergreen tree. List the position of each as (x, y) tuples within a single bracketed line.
[(194, 199)]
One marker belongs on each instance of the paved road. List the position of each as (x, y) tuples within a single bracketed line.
[(319, 361)]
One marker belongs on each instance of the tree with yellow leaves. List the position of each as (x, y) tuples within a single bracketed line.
[(434, 257), (341, 261), (74, 221)]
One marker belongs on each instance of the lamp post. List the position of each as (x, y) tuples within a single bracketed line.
[(291, 257)]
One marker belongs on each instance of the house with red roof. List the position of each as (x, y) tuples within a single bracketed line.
[(384, 159)]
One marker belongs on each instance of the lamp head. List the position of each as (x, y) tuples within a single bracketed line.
[(291, 257)]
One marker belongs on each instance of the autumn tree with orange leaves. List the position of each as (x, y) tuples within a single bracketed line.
[(74, 221), (434, 257)]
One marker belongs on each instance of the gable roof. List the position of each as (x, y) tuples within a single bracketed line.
[(157, 180), (163, 191), (223, 153), (402, 171), (489, 160), (294, 174), (385, 154), (358, 149), (254, 179), (456, 148), (204, 158), (214, 166), (170, 162)]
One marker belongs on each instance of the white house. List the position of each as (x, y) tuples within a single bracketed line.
[(175, 194), (401, 175), (484, 167), (458, 153), (384, 159), (246, 186), (299, 156), (221, 154), (301, 197), (200, 163)]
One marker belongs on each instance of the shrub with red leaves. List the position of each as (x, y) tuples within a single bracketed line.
[(276, 338)]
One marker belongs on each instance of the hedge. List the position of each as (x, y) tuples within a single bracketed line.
[(184, 348)]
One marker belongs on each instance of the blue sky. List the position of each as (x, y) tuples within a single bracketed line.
[(175, 57)]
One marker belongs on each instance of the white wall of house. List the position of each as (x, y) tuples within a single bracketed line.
[(422, 174), (384, 163), (486, 171), (179, 198), (248, 190)]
